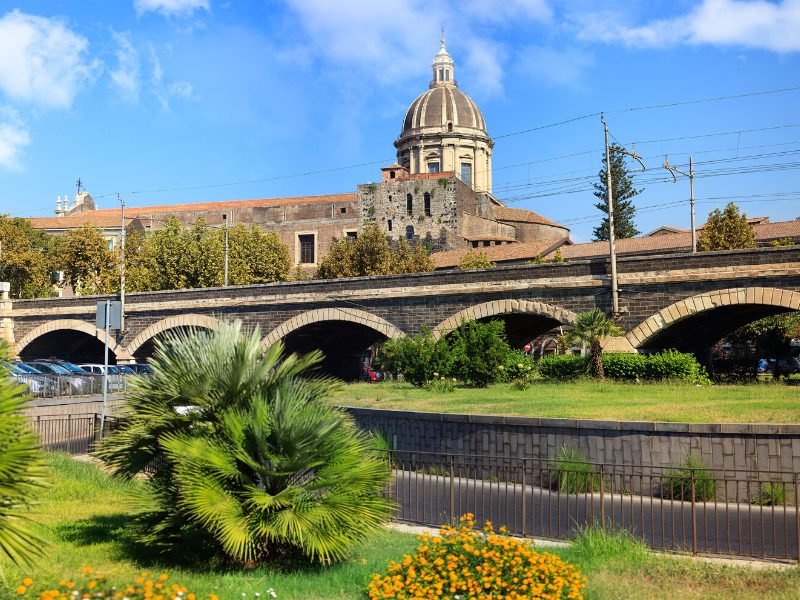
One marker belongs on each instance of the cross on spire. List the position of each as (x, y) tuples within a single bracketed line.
[(79, 185)]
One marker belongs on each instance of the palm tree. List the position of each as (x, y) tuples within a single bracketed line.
[(590, 327), (22, 472), (246, 452)]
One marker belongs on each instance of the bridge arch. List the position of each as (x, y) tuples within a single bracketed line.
[(699, 321), (191, 320), (342, 334), (70, 325), (525, 319)]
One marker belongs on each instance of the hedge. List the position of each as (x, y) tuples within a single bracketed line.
[(668, 365)]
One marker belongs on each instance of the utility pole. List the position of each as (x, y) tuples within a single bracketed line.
[(610, 200), (690, 175), (122, 265), (612, 250), (225, 220)]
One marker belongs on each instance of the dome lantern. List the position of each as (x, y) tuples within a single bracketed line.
[(443, 67)]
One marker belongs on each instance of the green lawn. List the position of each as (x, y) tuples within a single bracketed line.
[(757, 403), (84, 515)]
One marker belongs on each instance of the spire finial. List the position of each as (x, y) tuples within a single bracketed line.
[(443, 40)]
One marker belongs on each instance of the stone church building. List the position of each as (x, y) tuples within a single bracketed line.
[(439, 192)]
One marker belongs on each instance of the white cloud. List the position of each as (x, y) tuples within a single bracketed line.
[(127, 74), (170, 8), (757, 24), (14, 137), (42, 61), (164, 92), (181, 89), (396, 39), (510, 10)]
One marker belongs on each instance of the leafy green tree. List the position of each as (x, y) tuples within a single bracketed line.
[(25, 261), (250, 456), (203, 261), (726, 230), (371, 254), (22, 473), (771, 336), (420, 358), (89, 266), (475, 260), (339, 261), (478, 350), (589, 329), (623, 191), (406, 259), (255, 256)]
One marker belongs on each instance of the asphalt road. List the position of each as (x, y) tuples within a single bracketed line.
[(738, 529)]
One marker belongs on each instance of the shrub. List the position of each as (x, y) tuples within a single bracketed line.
[(563, 367), (677, 484), (517, 369), (771, 493), (475, 260), (477, 350), (145, 586), (674, 365), (441, 384), (261, 465), (625, 366), (464, 563), (575, 474), (417, 357)]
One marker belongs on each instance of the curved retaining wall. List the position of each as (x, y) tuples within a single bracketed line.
[(753, 447)]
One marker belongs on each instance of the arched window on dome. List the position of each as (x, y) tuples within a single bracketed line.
[(450, 126), (447, 74)]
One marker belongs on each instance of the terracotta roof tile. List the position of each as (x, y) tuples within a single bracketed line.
[(111, 216), (677, 242), (521, 215), (503, 253)]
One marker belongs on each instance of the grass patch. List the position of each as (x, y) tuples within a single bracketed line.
[(84, 515), (675, 402), (620, 567)]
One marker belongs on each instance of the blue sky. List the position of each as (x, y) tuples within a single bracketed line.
[(197, 96)]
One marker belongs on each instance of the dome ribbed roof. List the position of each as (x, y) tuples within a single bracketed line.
[(440, 105)]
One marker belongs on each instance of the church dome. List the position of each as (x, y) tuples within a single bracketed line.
[(444, 107), (444, 130)]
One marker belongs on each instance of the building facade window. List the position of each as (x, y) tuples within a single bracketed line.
[(410, 232), (389, 224), (351, 234), (426, 199), (433, 167), (343, 209), (307, 243), (409, 205), (466, 173), (391, 174)]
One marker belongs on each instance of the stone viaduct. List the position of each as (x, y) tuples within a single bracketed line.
[(681, 301)]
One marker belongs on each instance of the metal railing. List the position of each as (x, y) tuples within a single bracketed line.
[(698, 510), (731, 512), (63, 386)]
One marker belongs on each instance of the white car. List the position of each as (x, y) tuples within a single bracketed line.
[(116, 381)]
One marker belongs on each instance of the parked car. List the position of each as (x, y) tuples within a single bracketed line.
[(38, 384), (141, 368), (115, 379), (69, 384), (789, 366), (369, 374)]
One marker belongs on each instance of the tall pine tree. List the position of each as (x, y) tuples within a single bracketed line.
[(622, 186)]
